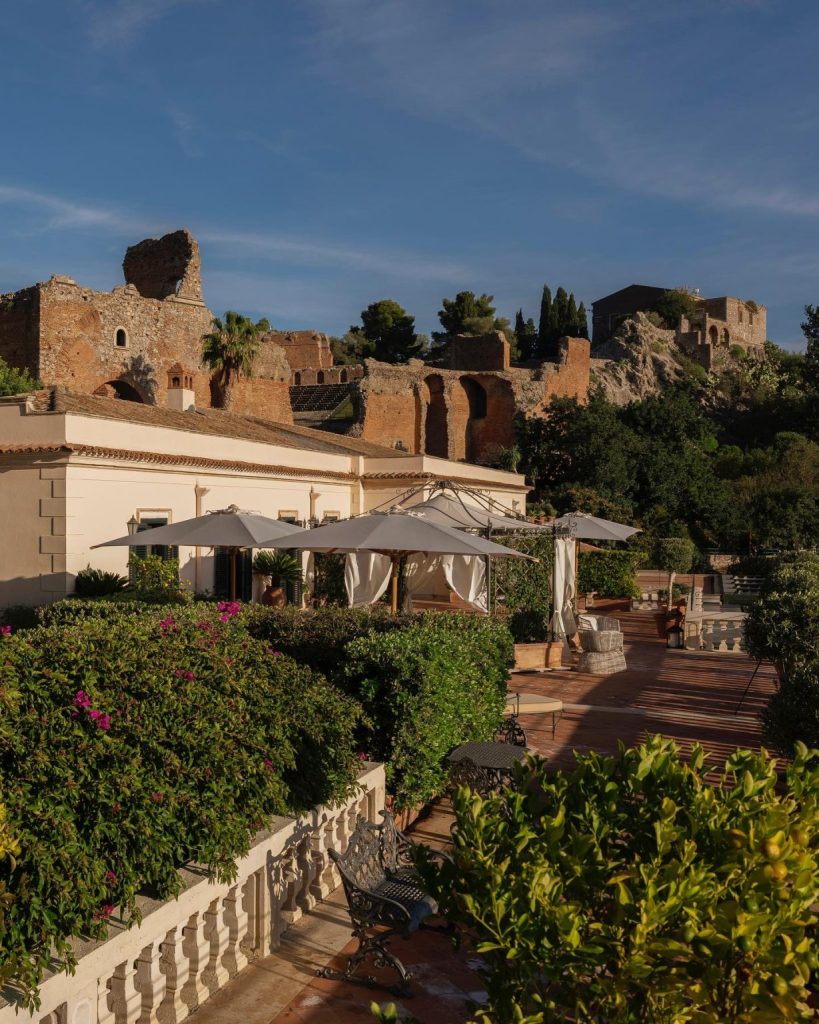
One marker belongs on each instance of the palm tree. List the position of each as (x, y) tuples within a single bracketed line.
[(230, 349)]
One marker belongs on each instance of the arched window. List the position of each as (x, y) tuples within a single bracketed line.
[(740, 314), (320, 377), (476, 396), (174, 382), (726, 337), (343, 377), (121, 338), (297, 378), (713, 334)]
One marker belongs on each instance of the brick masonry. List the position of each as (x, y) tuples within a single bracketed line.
[(462, 414), (124, 342)]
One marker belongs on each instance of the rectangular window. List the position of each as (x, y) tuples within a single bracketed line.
[(164, 551)]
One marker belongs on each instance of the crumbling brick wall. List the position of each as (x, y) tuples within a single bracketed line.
[(483, 352), (19, 320), (303, 348), (458, 414), (161, 267), (257, 396)]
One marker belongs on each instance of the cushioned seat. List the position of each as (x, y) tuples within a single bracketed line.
[(413, 899)]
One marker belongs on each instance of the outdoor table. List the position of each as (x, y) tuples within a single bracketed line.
[(493, 761), (529, 704)]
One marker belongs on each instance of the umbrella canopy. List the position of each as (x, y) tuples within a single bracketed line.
[(581, 524), (394, 534), (225, 528), (462, 515)]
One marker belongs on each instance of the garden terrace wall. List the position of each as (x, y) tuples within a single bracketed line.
[(185, 950)]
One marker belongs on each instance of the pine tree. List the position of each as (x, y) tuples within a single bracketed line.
[(545, 322), (582, 322), (526, 335)]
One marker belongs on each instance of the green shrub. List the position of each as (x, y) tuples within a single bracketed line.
[(19, 616), (528, 627), (328, 580), (98, 583), (752, 565), (73, 610), (126, 752), (633, 890), (279, 567), (783, 625), (608, 573), (426, 689), (155, 580), (527, 586)]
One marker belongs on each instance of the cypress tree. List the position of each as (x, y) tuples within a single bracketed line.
[(545, 322), (582, 322), (570, 327)]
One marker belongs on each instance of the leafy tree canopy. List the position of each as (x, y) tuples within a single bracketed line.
[(14, 381), (675, 304), (390, 331), (467, 313)]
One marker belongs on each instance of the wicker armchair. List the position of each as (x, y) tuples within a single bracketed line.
[(601, 644)]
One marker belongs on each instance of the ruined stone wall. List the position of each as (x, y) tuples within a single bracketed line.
[(19, 328), (257, 396), (484, 352), (720, 324), (303, 348), (458, 414), (330, 375), (90, 338), (161, 267)]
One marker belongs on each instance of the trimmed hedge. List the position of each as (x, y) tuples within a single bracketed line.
[(427, 689), (126, 752)]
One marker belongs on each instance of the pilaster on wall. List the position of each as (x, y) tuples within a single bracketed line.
[(52, 530)]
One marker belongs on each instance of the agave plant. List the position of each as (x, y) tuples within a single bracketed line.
[(98, 583), (278, 566)]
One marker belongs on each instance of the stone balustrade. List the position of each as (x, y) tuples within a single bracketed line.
[(184, 950), (715, 632)]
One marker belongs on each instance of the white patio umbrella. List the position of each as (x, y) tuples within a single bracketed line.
[(225, 528), (587, 527), (462, 514), (395, 533)]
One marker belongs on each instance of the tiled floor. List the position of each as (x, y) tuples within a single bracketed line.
[(690, 696)]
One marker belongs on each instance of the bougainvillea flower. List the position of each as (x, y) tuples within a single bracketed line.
[(94, 714), (167, 623), (5, 630), (267, 763), (106, 910), (104, 722), (111, 877), (81, 699), (277, 654)]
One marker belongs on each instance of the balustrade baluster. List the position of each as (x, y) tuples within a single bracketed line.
[(235, 958), (196, 947), (126, 999), (175, 965), (150, 982), (216, 930)]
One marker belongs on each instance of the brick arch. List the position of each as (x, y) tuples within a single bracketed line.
[(125, 390), (713, 334), (436, 427), (726, 337)]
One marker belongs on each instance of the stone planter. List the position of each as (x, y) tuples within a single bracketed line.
[(554, 654)]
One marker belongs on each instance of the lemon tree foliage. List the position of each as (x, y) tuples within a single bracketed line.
[(634, 890)]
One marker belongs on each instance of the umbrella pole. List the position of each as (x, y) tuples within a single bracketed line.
[(394, 586), (233, 574)]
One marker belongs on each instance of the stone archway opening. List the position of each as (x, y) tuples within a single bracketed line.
[(476, 401), (726, 337), (713, 334), (436, 435), (120, 389)]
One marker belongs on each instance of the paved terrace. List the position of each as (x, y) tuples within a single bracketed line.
[(687, 695)]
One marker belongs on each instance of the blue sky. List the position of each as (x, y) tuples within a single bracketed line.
[(328, 153)]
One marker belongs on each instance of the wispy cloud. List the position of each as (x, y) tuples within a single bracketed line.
[(121, 22), (556, 83), (185, 130), (55, 213)]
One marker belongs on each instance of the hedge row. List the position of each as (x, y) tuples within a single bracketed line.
[(609, 573), (125, 753)]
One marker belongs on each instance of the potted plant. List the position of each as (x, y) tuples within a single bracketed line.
[(278, 568), (672, 554), (536, 647)]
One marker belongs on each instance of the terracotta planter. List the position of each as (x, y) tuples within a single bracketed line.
[(554, 654), (274, 597), (659, 619), (405, 818), (530, 657)]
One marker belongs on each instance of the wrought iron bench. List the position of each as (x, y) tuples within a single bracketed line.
[(384, 897)]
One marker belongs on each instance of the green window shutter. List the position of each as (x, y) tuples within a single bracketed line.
[(221, 573)]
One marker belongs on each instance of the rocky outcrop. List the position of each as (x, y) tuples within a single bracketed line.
[(638, 361)]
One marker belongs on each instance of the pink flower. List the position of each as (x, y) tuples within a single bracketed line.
[(5, 630), (267, 763), (75, 714), (156, 797), (168, 623), (81, 699), (105, 911), (362, 756), (224, 618), (228, 610), (110, 877), (277, 654), (182, 674), (94, 715), (104, 722)]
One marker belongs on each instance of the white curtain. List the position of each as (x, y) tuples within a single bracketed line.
[(466, 575), (563, 622), (366, 577), (419, 573)]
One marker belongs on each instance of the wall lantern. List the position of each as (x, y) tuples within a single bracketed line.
[(133, 526)]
